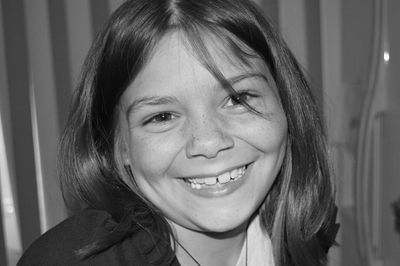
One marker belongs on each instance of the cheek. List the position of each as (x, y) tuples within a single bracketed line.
[(152, 155), (265, 134)]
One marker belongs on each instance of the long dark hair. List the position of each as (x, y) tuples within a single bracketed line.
[(299, 211)]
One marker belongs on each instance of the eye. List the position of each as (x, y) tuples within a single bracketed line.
[(160, 118), (240, 98)]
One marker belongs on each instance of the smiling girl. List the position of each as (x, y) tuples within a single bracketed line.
[(193, 140)]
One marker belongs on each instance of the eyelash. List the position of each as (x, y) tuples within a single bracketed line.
[(154, 118), (235, 98)]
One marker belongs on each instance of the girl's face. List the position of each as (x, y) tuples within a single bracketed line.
[(196, 153)]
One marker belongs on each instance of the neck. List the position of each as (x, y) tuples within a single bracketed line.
[(209, 248)]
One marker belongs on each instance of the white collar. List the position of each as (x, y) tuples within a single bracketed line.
[(259, 247)]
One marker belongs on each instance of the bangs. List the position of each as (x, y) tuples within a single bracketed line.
[(200, 40), (232, 33)]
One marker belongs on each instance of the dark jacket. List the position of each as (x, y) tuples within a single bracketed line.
[(59, 245)]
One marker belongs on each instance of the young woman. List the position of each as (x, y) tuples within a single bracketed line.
[(193, 140)]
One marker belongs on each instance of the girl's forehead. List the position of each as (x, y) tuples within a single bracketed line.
[(175, 49), (174, 67)]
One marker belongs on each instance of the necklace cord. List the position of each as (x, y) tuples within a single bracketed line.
[(187, 252), (197, 263)]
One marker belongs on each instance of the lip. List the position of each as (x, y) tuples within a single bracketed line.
[(219, 190)]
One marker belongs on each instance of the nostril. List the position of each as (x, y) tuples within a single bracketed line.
[(208, 145)]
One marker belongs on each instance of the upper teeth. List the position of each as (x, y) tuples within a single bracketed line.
[(221, 179)]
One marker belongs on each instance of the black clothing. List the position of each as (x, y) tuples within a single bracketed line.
[(59, 245)]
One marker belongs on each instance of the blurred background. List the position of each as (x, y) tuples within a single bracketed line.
[(350, 49)]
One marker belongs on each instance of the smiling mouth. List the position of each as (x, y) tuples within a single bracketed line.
[(224, 178)]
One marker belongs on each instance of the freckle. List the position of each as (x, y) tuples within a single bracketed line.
[(203, 118)]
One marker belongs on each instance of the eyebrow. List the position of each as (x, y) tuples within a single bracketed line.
[(150, 100), (160, 100), (241, 77)]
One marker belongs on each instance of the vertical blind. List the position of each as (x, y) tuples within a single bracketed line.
[(42, 47)]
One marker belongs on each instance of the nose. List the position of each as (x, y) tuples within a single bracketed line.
[(207, 139)]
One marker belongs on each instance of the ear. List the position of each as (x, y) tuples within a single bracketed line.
[(124, 151), (121, 156), (121, 148)]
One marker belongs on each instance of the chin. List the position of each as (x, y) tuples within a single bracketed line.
[(224, 226)]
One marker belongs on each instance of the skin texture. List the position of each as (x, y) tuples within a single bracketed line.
[(177, 121)]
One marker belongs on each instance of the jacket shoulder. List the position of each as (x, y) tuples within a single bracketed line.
[(59, 245)]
